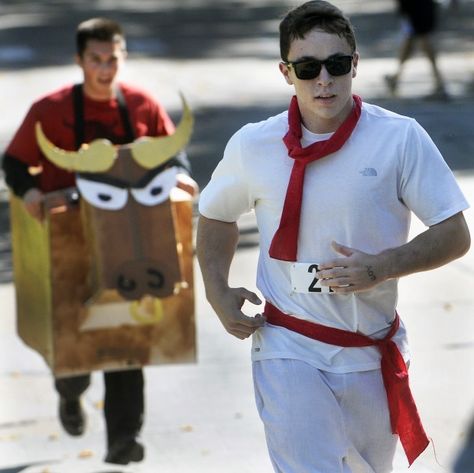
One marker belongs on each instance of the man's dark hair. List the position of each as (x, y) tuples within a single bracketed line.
[(314, 14), (100, 29)]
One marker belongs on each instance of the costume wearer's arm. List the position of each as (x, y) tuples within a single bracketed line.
[(359, 271), (23, 185), (17, 177), (216, 245)]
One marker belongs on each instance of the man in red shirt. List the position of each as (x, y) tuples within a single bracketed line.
[(100, 107)]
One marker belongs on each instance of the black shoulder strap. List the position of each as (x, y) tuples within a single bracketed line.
[(129, 134), (79, 115)]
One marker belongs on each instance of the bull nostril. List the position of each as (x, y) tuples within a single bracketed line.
[(125, 284), (156, 191), (159, 280)]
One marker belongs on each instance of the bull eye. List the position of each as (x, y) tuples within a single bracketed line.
[(102, 195), (158, 189)]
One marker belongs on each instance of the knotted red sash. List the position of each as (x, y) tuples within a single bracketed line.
[(404, 417), (284, 245)]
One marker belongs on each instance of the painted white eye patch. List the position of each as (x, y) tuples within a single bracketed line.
[(110, 197), (158, 189), (102, 195)]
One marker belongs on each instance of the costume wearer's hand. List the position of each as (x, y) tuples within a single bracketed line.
[(356, 272), (228, 307), (33, 200), (187, 184)]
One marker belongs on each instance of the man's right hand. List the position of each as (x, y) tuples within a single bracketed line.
[(34, 200), (216, 242), (228, 307)]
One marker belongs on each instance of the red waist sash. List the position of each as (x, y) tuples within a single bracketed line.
[(404, 417)]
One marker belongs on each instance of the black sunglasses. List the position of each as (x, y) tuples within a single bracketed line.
[(308, 69)]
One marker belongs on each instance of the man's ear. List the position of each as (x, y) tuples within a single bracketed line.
[(286, 72), (355, 62)]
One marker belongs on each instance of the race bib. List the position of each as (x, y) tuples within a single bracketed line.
[(304, 280)]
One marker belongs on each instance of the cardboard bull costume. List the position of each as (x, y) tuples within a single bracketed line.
[(106, 282)]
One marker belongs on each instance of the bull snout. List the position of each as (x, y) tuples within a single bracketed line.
[(136, 279)]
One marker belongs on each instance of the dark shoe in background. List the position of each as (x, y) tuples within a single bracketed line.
[(72, 416), (124, 451)]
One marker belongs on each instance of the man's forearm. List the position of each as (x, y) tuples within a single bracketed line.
[(435, 247), (215, 247), (17, 176), (358, 271)]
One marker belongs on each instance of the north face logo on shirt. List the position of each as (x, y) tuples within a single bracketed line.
[(368, 172)]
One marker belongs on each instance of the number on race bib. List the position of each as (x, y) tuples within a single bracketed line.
[(312, 287), (304, 280)]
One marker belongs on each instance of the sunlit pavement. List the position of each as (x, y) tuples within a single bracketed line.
[(202, 417)]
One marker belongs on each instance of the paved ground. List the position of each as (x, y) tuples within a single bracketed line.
[(201, 418)]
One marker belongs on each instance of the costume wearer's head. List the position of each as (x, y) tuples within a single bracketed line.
[(99, 29), (314, 14)]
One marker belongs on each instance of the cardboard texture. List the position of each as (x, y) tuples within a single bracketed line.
[(67, 311)]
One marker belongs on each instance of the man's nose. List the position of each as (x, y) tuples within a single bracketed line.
[(324, 76), (105, 66)]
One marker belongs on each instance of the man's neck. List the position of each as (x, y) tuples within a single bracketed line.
[(99, 96)]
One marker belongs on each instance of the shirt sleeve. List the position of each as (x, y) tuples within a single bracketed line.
[(227, 195), (23, 145), (427, 185), (164, 122)]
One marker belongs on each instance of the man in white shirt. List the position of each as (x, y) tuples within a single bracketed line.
[(333, 182)]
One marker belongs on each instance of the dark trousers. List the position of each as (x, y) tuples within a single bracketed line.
[(123, 404)]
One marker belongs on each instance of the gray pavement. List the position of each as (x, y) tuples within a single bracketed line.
[(201, 417)]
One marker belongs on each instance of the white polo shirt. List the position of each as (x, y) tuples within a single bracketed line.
[(360, 196)]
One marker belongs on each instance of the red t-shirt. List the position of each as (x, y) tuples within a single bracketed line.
[(102, 119)]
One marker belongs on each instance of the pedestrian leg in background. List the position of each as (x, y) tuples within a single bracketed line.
[(419, 22)]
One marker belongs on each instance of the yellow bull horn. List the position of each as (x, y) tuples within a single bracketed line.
[(97, 156), (152, 152)]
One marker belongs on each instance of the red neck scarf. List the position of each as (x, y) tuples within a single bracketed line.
[(284, 245)]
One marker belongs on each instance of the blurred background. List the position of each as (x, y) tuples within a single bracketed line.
[(223, 55)]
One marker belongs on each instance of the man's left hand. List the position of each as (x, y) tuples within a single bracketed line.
[(356, 272)]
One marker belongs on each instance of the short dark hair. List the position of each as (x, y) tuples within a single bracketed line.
[(314, 14), (100, 29)]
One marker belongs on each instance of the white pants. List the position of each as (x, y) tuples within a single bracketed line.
[(320, 422)]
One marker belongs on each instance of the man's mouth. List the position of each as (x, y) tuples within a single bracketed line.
[(104, 81), (325, 96)]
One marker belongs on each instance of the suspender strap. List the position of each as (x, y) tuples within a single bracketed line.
[(78, 115), (124, 115), (79, 125), (404, 416)]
